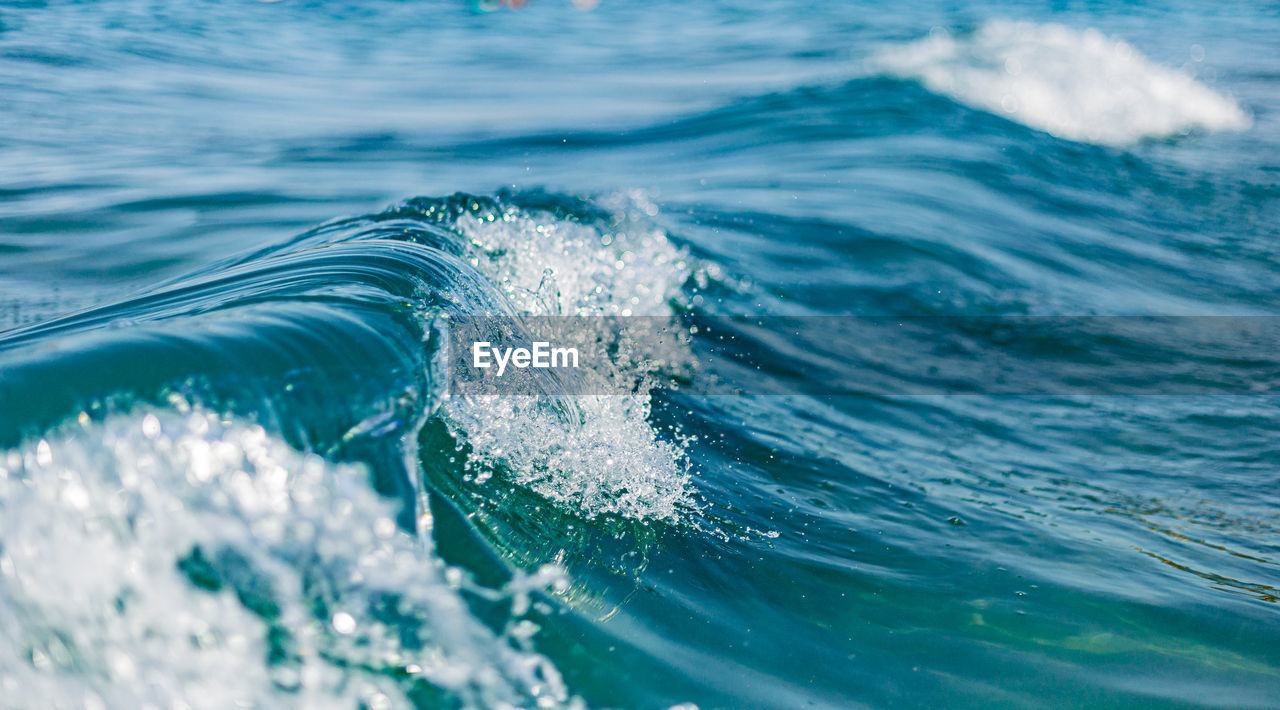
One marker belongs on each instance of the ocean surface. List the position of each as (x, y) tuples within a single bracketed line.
[(236, 470)]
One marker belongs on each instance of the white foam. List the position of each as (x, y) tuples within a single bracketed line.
[(556, 267), (1080, 85), (609, 461), (96, 613)]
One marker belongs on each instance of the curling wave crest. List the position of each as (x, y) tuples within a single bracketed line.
[(1076, 84), (346, 316), (192, 537), (596, 454)]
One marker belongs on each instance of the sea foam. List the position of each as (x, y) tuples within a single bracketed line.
[(1079, 85), (174, 559)]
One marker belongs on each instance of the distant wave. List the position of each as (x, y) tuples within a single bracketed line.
[(1080, 85)]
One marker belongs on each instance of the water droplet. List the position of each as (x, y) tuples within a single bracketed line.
[(344, 623), (150, 426)]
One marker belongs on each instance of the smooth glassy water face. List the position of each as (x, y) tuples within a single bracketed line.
[(234, 469)]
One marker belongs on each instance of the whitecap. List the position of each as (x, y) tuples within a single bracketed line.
[(1076, 84), (182, 560)]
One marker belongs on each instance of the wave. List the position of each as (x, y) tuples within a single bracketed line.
[(347, 317), (1075, 84), (217, 493)]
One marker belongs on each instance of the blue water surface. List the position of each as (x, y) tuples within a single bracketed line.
[(794, 548)]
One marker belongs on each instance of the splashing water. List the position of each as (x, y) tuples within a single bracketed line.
[(163, 559), (606, 459)]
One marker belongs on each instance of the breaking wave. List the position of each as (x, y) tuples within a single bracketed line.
[(239, 515), (1076, 84), (173, 558)]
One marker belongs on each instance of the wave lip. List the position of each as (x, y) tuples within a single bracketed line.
[(1079, 85)]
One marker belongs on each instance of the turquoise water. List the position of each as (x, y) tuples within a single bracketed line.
[(238, 242)]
